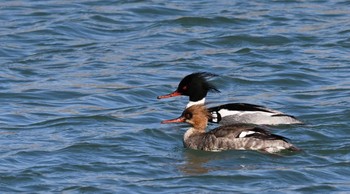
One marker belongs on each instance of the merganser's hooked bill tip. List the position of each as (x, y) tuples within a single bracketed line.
[(173, 94), (177, 120)]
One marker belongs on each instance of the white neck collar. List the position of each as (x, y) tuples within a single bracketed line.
[(191, 103)]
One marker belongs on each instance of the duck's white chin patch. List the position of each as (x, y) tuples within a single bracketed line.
[(191, 103)]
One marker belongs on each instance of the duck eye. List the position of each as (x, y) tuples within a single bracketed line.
[(188, 115), (184, 88)]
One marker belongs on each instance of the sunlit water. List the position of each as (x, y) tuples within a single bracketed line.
[(79, 81)]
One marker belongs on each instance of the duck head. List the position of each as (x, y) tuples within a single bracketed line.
[(195, 85)]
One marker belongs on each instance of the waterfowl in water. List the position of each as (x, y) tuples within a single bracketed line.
[(230, 137), (196, 86)]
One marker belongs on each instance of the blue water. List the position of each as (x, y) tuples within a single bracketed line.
[(79, 81)]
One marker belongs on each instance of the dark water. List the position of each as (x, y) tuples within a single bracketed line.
[(79, 81)]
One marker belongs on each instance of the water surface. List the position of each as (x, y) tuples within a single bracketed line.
[(79, 81)]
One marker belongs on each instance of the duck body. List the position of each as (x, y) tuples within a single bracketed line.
[(236, 137), (230, 137), (196, 86), (234, 113)]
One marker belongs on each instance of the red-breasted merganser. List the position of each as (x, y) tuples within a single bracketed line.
[(196, 86), (230, 137)]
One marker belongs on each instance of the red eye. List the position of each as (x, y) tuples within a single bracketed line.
[(184, 88)]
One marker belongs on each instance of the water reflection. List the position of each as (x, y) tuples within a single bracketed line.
[(196, 162), (201, 162)]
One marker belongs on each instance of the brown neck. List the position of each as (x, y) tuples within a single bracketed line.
[(200, 125)]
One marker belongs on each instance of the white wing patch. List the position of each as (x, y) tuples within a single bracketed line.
[(245, 133), (215, 117), (226, 112), (256, 117)]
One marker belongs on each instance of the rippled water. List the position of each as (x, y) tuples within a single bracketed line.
[(79, 81)]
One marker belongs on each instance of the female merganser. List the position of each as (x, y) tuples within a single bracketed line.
[(235, 137), (196, 87)]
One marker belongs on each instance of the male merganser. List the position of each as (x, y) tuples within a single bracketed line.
[(235, 137), (196, 86)]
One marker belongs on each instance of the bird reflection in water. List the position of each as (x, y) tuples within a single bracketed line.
[(202, 162)]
